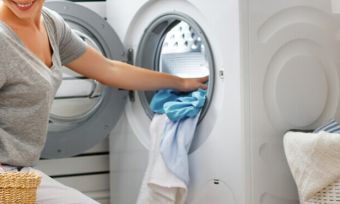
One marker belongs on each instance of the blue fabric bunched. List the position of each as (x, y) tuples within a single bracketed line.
[(178, 105), (183, 111)]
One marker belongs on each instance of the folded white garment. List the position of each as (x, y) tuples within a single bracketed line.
[(159, 184), (314, 160)]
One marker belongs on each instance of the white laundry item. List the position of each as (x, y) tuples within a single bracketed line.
[(175, 145), (313, 159), (159, 184)]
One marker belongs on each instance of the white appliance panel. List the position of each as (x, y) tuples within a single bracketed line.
[(276, 68)]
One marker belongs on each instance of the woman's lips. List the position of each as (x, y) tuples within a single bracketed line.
[(24, 6)]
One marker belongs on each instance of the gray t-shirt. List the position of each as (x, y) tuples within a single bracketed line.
[(28, 87)]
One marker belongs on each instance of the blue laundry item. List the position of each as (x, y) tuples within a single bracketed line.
[(331, 126), (178, 105), (182, 110), (175, 145)]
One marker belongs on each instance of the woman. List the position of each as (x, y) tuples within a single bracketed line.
[(35, 43)]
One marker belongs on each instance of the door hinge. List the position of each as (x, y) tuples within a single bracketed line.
[(130, 61)]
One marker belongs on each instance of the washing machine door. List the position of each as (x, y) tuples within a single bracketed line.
[(84, 111), (173, 43)]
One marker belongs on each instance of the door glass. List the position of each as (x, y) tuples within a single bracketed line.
[(175, 44), (77, 96), (183, 53)]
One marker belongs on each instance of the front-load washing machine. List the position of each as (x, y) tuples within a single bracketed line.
[(273, 66), (76, 152)]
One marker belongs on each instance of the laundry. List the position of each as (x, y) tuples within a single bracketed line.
[(178, 105), (172, 130), (313, 159), (159, 184), (183, 110)]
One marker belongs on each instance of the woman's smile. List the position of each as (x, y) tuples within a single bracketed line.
[(24, 5)]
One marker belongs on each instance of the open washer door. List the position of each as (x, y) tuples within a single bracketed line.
[(84, 111)]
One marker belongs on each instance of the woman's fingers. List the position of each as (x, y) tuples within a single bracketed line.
[(204, 86), (203, 79), (192, 84)]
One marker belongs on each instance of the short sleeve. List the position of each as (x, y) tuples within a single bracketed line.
[(71, 46)]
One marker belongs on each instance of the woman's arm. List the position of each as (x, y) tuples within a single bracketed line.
[(122, 75)]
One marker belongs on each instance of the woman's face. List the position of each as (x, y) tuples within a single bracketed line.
[(24, 9)]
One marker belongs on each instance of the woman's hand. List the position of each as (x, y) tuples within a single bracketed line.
[(191, 84)]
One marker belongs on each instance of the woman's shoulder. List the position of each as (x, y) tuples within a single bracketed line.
[(52, 16), (55, 22)]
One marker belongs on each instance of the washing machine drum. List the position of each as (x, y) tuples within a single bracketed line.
[(84, 111)]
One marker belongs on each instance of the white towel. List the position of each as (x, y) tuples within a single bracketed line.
[(314, 160), (159, 184)]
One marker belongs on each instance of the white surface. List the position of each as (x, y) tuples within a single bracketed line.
[(128, 160), (75, 165), (280, 63), (96, 186), (211, 193), (335, 6)]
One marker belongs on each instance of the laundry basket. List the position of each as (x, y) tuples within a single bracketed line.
[(328, 195), (18, 187)]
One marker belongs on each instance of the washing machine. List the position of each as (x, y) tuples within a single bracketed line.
[(81, 118), (273, 66)]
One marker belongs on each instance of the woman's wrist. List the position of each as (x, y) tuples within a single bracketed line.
[(180, 83)]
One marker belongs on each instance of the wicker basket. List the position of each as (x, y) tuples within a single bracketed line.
[(18, 187), (328, 195)]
